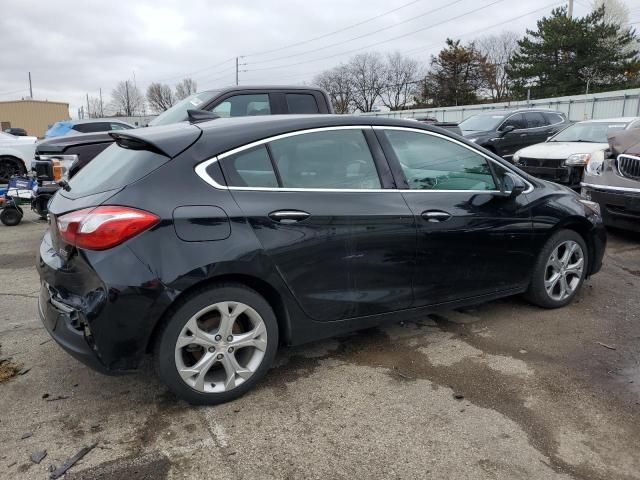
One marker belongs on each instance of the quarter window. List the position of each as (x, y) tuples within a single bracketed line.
[(337, 159), (244, 105), (434, 163), (251, 168)]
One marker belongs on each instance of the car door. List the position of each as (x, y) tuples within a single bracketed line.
[(513, 140), (320, 203), (473, 240)]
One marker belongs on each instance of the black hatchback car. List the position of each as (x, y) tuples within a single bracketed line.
[(211, 244), (504, 132)]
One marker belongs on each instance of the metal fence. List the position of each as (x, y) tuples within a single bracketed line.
[(619, 103)]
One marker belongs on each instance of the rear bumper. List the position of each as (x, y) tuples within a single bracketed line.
[(570, 176), (619, 209)]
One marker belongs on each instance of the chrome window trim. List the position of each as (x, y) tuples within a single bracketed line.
[(201, 168), (610, 187)]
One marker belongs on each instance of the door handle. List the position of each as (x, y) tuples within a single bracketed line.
[(288, 216), (435, 216)]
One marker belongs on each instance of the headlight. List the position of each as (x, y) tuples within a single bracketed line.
[(593, 206), (595, 167), (64, 162), (577, 159)]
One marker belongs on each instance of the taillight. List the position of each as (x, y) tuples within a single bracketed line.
[(103, 227)]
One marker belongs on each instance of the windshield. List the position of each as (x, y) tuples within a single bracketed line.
[(593, 132), (482, 122), (178, 112)]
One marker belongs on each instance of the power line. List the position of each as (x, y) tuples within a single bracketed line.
[(381, 42), (360, 36), (348, 27), (482, 30)]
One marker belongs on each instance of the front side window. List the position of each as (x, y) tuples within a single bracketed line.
[(337, 159), (250, 168), (434, 163), (516, 121), (243, 106)]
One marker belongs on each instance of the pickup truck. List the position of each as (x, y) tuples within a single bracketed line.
[(74, 152)]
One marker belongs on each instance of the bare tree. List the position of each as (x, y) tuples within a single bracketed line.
[(367, 76), (337, 83), (185, 88), (160, 97), (400, 78), (94, 109), (497, 50), (615, 11), (126, 99)]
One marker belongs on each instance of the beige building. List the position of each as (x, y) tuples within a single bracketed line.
[(34, 116)]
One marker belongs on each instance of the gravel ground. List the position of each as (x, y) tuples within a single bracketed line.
[(500, 391)]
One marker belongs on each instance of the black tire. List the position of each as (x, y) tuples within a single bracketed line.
[(537, 293), (11, 216), (165, 343), (10, 166)]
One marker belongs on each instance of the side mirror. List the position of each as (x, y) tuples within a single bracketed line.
[(507, 129), (517, 185)]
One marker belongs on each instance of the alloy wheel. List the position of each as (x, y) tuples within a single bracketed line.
[(564, 269), (220, 347)]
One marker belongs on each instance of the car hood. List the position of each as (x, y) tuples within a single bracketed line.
[(18, 141), (560, 149)]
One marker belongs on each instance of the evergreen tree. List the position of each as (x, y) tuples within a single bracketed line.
[(564, 55)]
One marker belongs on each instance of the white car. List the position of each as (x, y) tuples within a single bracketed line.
[(562, 157), (16, 154)]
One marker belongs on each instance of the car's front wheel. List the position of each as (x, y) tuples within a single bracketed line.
[(10, 166), (217, 345), (560, 270)]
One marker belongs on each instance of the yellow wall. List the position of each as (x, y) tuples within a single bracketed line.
[(33, 115)]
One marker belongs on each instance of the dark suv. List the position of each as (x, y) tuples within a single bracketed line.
[(505, 131), (211, 244)]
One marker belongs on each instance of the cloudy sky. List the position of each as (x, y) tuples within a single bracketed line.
[(77, 47)]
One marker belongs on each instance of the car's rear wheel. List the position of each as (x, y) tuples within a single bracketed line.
[(10, 166), (559, 271), (217, 344)]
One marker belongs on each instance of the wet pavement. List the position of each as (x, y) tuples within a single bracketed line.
[(503, 390)]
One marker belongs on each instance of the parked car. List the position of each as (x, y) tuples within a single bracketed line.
[(452, 126), (18, 132), (563, 157), (503, 132), (16, 153), (90, 125), (211, 244), (614, 182), (75, 152)]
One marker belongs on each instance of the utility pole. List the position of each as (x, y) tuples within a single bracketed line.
[(101, 107), (88, 108), (570, 12), (236, 70), (30, 87)]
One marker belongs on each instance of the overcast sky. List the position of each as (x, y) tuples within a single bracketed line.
[(76, 47)]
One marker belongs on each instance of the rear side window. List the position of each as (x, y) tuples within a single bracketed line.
[(337, 159), (243, 106), (535, 119), (434, 163), (114, 168), (553, 118), (301, 103), (251, 168)]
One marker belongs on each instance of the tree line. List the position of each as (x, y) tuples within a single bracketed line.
[(561, 56)]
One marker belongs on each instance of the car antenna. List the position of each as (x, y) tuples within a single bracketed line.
[(196, 116)]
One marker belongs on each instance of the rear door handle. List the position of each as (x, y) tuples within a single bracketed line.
[(435, 216), (288, 216)]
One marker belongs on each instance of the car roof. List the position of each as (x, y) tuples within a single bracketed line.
[(260, 87), (224, 134), (505, 111)]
